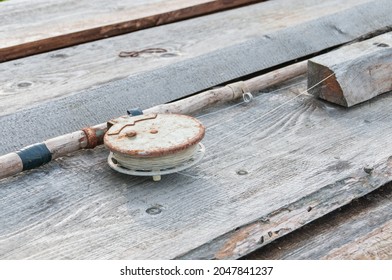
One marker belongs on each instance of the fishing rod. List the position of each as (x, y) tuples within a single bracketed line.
[(38, 154)]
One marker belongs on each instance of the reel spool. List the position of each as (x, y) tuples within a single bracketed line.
[(154, 144)]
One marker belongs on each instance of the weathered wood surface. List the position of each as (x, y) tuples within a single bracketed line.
[(10, 164), (39, 27), (300, 161), (360, 230), (376, 245), (36, 79), (357, 72), (104, 102)]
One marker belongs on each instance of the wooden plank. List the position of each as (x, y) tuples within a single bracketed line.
[(360, 230), (33, 80), (75, 26), (376, 245), (357, 72), (77, 207), (99, 104)]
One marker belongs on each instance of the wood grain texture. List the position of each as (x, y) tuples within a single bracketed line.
[(78, 208), (10, 164), (81, 24), (150, 88), (357, 72), (376, 245), (36, 79), (360, 230)]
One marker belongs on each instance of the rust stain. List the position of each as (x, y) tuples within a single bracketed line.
[(131, 134), (111, 144), (231, 244), (132, 123), (138, 53), (94, 137), (262, 231)]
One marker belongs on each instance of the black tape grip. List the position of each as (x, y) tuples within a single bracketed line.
[(34, 156)]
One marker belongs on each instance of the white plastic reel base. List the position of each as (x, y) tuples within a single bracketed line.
[(156, 174)]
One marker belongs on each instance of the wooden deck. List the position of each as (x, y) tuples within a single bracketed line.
[(283, 166), (360, 230)]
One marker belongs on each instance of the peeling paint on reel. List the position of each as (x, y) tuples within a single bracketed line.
[(154, 144)]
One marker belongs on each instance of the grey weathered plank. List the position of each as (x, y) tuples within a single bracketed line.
[(360, 230), (376, 245), (34, 80), (163, 12), (305, 153), (359, 71), (110, 100), (27, 21)]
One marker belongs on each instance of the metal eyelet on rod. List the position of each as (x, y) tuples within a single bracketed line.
[(247, 96)]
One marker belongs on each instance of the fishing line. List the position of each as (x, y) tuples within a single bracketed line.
[(271, 111), (124, 142), (278, 107), (212, 175), (201, 172), (257, 97), (250, 122)]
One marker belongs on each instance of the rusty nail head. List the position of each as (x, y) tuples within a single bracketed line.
[(131, 134)]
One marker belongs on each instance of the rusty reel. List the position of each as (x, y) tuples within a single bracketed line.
[(154, 144)]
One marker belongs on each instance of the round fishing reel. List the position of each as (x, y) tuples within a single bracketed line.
[(154, 144)]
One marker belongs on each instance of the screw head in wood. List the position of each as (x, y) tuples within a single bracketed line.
[(154, 210), (242, 172)]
